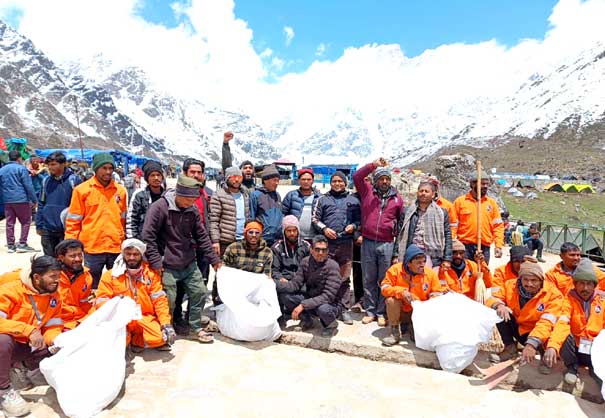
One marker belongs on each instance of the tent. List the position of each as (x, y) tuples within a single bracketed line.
[(527, 183), (503, 183), (578, 188), (513, 190), (554, 187)]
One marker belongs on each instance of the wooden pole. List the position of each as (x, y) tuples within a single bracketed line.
[(480, 290)]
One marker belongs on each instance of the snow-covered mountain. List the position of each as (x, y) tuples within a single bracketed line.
[(121, 106)]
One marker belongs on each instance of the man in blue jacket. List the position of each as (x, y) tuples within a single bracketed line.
[(55, 196), (266, 206), (19, 196), (531, 239), (300, 203)]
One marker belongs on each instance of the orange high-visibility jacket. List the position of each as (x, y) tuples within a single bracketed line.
[(465, 284), (11, 276), (75, 294), (564, 281), (18, 317), (449, 206), (149, 292), (539, 315), (423, 286), (502, 275), (492, 227), (97, 216), (580, 326)]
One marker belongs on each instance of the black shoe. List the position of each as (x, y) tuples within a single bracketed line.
[(329, 330), (347, 318), (306, 322)]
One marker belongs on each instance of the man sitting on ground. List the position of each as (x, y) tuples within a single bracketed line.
[(76, 282), (531, 238), (320, 278), (405, 282), (252, 254), (509, 271), (462, 276), (561, 275), (530, 308), (30, 320), (134, 278)]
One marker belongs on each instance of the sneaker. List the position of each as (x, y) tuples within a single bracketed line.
[(11, 249), (347, 318), (382, 322), (306, 322), (368, 319), (24, 248), (394, 338), (571, 377), (13, 405), (329, 330)]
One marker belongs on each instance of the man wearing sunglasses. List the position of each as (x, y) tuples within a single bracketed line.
[(252, 254)]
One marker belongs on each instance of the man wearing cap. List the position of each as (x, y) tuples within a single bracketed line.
[(75, 286), (229, 211), (530, 308), (509, 271), (134, 278), (403, 283), (300, 202), (381, 211), (266, 206), (288, 252), (531, 238), (462, 275), (246, 166), (583, 319), (143, 198), (561, 275), (252, 254), (442, 202), (171, 226), (337, 216), (97, 216), (492, 227)]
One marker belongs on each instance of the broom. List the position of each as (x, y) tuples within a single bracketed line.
[(480, 290)]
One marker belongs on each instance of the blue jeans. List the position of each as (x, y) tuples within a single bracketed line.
[(96, 263), (191, 277), (471, 249), (375, 261)]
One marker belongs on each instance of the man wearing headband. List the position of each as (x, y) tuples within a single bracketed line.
[(173, 231), (252, 254), (134, 278)]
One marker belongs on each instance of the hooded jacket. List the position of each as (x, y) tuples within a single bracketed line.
[(75, 291), (266, 207), (16, 184), (380, 215), (286, 260), (172, 235), (55, 196), (17, 314), (137, 209)]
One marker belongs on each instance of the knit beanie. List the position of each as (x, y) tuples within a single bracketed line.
[(288, 221), (585, 272), (484, 176), (530, 267), (187, 187), (253, 225), (458, 246), (151, 167), (102, 158), (518, 252), (233, 172), (339, 174), (270, 172), (305, 171), (381, 172)]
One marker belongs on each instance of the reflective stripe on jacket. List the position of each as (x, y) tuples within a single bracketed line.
[(423, 286), (492, 227)]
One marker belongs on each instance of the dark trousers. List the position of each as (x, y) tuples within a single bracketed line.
[(327, 313), (535, 244), (357, 275), (12, 351), (96, 263), (22, 212), (203, 265), (50, 240), (215, 299), (471, 249), (572, 357), (509, 331), (342, 253)]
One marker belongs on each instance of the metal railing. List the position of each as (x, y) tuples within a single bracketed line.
[(590, 239)]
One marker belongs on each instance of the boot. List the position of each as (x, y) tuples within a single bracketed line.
[(394, 338)]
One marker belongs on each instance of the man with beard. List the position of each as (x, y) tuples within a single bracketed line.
[(76, 282), (266, 206), (247, 167), (30, 320), (509, 271), (492, 227), (300, 202), (134, 278), (561, 275), (462, 275), (97, 216), (55, 196), (252, 254), (143, 198)]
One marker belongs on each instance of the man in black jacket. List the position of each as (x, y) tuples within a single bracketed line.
[(321, 277), (246, 166), (172, 231), (143, 198)]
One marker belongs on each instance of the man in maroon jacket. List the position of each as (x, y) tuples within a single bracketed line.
[(381, 210)]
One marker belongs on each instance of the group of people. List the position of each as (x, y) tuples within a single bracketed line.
[(158, 245)]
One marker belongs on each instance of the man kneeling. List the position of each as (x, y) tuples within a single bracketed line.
[(134, 278), (321, 277)]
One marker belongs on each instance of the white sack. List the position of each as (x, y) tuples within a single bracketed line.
[(453, 326), (89, 370), (250, 307), (597, 355)]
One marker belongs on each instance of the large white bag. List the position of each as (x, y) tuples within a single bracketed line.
[(88, 372), (453, 326), (597, 356), (250, 307)]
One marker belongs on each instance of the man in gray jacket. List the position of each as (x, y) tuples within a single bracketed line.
[(171, 226)]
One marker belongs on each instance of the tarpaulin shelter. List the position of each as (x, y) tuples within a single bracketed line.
[(527, 183), (122, 158)]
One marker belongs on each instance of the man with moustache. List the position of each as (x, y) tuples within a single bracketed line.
[(248, 182), (143, 198)]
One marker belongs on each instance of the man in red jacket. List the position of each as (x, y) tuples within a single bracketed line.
[(381, 210)]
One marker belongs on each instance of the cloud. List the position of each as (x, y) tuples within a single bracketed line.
[(321, 49), (267, 52), (289, 32)]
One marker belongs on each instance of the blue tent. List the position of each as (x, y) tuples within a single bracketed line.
[(120, 157)]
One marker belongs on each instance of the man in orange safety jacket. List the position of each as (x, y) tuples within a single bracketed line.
[(134, 278), (561, 275), (510, 270), (462, 274)]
